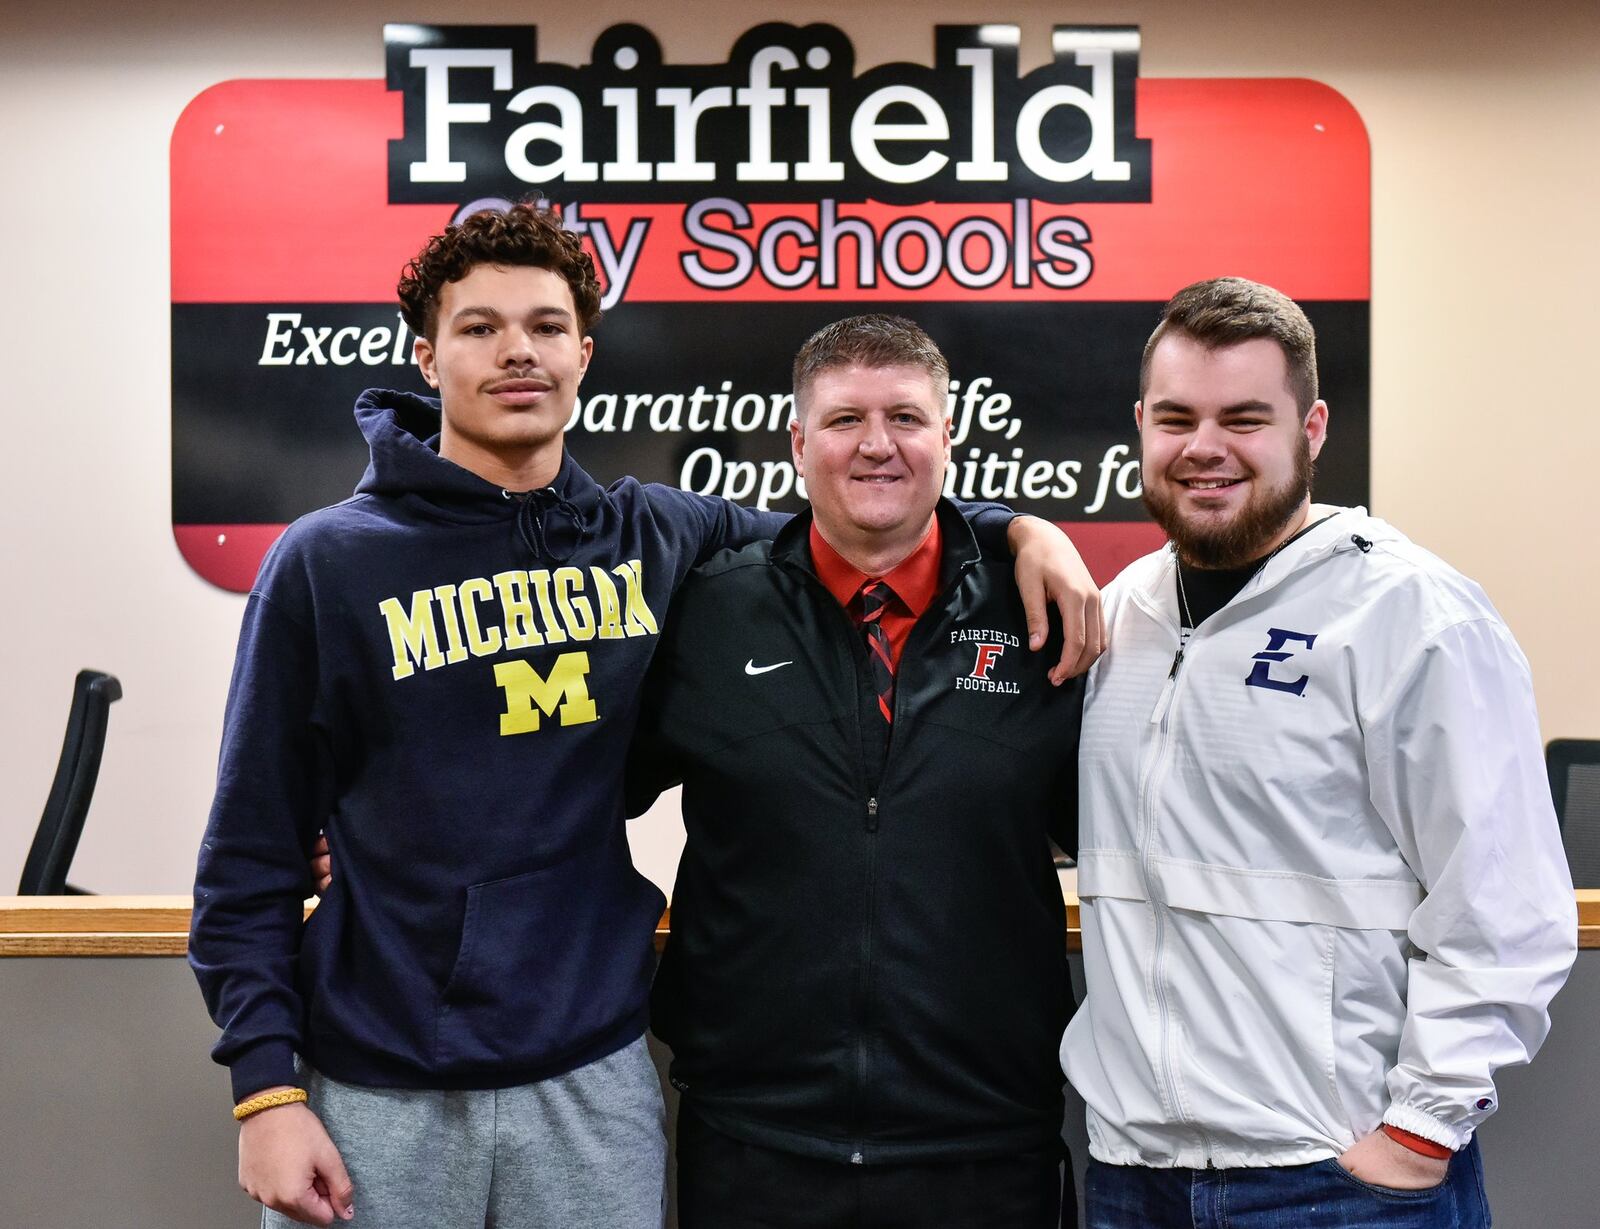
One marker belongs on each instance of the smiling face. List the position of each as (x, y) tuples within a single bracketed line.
[(872, 444), (1226, 455), (506, 357)]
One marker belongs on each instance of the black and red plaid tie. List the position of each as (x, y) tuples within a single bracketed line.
[(875, 596)]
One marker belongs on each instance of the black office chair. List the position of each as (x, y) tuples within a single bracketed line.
[(45, 872), (1574, 768)]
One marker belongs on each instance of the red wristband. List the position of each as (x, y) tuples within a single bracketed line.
[(1417, 1143)]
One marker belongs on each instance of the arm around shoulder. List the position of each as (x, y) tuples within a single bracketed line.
[(1050, 572), (718, 524)]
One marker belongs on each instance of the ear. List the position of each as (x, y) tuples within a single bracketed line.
[(1316, 427), (427, 363), (797, 443), (585, 353), (1138, 415)]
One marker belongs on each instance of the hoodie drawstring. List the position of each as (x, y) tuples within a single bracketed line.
[(548, 541)]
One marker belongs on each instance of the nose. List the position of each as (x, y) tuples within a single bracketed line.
[(1205, 443), (876, 443), (517, 348)]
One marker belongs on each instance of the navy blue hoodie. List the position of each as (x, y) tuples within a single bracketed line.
[(444, 677)]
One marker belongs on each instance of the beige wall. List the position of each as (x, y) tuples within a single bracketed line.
[(1482, 117)]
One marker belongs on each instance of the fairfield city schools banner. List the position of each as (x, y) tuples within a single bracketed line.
[(1033, 222)]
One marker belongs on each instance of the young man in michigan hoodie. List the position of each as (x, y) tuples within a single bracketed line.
[(443, 673)]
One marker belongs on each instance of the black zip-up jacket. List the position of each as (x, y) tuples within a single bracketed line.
[(867, 961)]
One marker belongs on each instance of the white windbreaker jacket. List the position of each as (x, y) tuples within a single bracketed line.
[(1322, 883)]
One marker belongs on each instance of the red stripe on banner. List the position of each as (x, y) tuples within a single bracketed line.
[(280, 194), (229, 556), (1266, 179), (1109, 546)]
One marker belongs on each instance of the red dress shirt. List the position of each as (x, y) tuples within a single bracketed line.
[(915, 581)]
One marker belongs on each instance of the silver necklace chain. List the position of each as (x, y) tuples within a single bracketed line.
[(1183, 596)]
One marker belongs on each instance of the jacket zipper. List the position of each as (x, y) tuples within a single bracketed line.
[(869, 937), (1159, 717), (871, 822), (1167, 1072), (868, 940), (1164, 700), (870, 888)]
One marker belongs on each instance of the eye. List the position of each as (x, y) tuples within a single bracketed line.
[(551, 329), (842, 419), (477, 330)]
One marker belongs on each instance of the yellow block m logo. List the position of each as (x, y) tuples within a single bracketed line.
[(528, 694)]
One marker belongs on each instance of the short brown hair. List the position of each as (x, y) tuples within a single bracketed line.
[(873, 340), (524, 234), (1226, 310)]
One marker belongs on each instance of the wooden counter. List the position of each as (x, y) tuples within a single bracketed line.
[(106, 1059), (159, 925)]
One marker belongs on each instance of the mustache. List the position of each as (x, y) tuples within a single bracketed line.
[(531, 375)]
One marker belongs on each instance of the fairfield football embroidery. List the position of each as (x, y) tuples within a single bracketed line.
[(990, 648)]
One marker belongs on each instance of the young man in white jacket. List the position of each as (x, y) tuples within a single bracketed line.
[(1324, 895)]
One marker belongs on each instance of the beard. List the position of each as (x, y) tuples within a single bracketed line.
[(1251, 531)]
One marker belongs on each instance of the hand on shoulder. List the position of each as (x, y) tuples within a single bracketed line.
[(1050, 572)]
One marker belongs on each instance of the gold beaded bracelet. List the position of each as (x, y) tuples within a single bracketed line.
[(267, 1101)]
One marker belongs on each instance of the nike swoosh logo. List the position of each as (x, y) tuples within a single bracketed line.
[(750, 667)]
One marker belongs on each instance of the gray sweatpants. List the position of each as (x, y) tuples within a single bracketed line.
[(584, 1150)]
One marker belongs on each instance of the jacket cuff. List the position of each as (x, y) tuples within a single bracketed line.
[(264, 1066), (990, 527), (1408, 1118)]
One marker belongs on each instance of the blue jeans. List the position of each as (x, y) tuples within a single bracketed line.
[(1322, 1195)]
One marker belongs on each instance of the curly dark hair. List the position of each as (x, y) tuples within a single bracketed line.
[(521, 235)]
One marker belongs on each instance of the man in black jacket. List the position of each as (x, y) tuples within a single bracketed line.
[(866, 980)]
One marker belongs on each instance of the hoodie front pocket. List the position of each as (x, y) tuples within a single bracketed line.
[(549, 962)]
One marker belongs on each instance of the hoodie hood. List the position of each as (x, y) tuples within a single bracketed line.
[(402, 432)]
